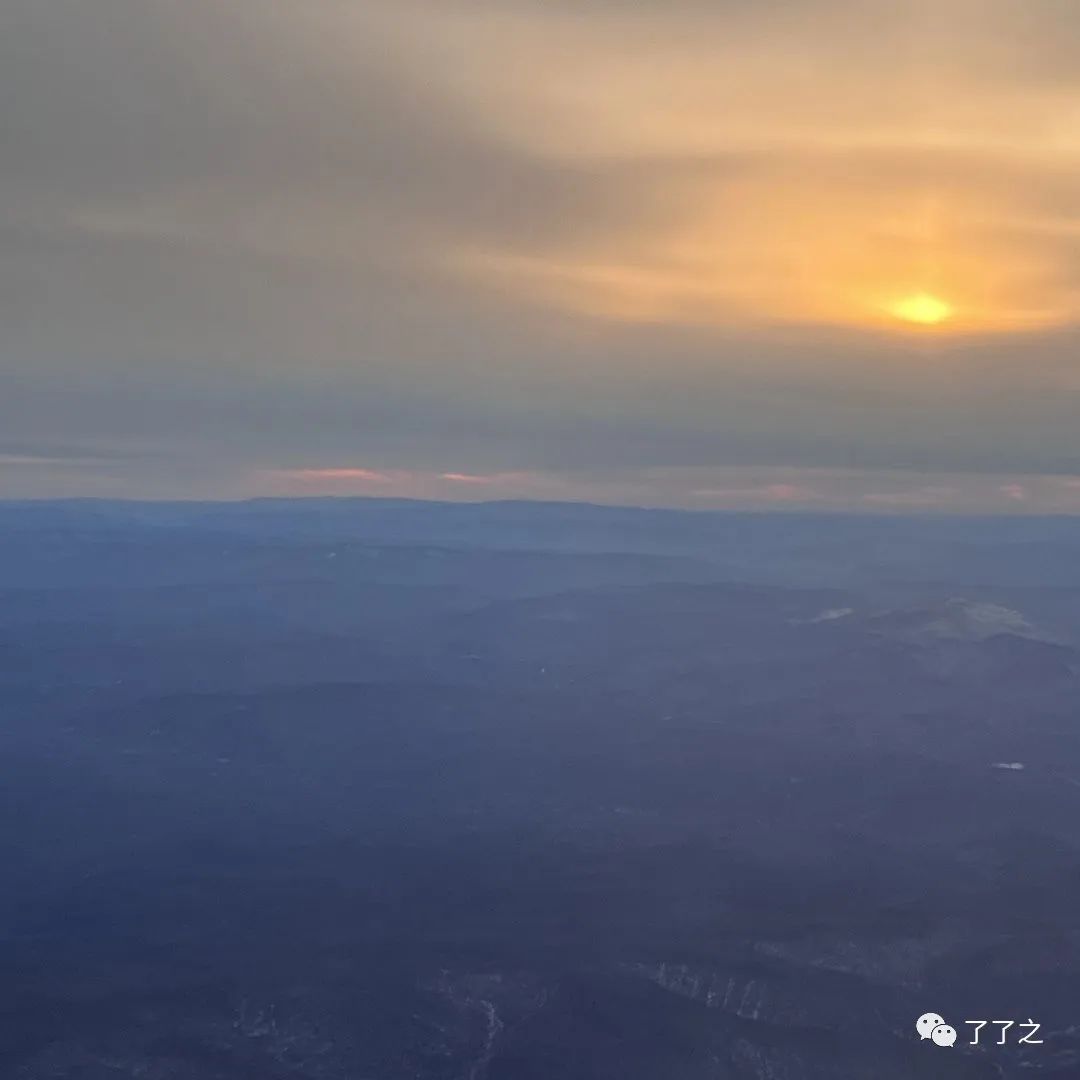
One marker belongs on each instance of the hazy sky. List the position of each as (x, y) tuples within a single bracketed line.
[(699, 252)]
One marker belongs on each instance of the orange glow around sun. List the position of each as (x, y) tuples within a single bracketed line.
[(766, 252), (921, 193), (923, 309)]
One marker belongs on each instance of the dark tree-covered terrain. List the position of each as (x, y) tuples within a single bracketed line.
[(380, 790)]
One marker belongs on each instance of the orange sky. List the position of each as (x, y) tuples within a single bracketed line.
[(815, 163), (541, 238)]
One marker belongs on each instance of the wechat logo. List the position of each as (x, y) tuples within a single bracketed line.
[(932, 1026)]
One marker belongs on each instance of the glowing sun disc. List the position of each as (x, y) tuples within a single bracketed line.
[(924, 309)]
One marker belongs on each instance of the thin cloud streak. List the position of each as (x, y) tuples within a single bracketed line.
[(746, 488)]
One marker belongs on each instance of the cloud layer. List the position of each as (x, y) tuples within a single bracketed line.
[(523, 239)]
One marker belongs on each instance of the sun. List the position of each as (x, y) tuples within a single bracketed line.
[(922, 308)]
